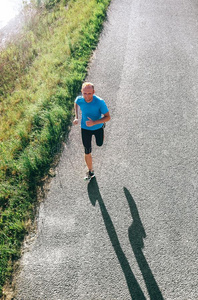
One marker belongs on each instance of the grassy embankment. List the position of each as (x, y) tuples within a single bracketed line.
[(41, 73)]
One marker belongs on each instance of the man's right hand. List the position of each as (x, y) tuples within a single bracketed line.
[(75, 122)]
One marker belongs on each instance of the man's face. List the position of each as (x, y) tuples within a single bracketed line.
[(88, 93)]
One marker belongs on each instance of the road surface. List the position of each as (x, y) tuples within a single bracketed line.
[(132, 232)]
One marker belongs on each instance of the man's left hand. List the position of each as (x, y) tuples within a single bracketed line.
[(90, 122)]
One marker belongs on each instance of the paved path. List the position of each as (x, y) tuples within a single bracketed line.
[(132, 232)]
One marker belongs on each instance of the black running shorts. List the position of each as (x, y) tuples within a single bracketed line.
[(87, 137)]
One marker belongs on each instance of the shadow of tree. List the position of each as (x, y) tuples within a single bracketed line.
[(136, 234), (133, 286)]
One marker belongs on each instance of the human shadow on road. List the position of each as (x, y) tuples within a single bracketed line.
[(136, 234), (133, 286)]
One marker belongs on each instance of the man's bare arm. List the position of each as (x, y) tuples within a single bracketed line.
[(105, 119), (76, 109)]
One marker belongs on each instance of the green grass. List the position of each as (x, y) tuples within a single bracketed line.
[(42, 72)]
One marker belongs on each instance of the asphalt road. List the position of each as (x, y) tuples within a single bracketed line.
[(132, 232)]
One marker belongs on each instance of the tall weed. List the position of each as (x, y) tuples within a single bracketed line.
[(42, 72)]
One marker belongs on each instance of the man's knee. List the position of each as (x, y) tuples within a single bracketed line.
[(99, 143), (88, 151), (100, 137)]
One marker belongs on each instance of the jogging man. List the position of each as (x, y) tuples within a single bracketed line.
[(94, 114)]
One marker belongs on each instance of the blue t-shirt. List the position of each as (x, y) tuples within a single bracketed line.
[(94, 110)]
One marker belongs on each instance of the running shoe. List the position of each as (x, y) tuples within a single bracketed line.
[(89, 175)]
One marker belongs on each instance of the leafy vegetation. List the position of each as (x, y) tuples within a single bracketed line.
[(41, 73)]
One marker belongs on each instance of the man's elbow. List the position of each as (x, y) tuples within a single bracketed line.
[(107, 117)]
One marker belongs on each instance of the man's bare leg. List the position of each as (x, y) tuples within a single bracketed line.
[(88, 160)]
